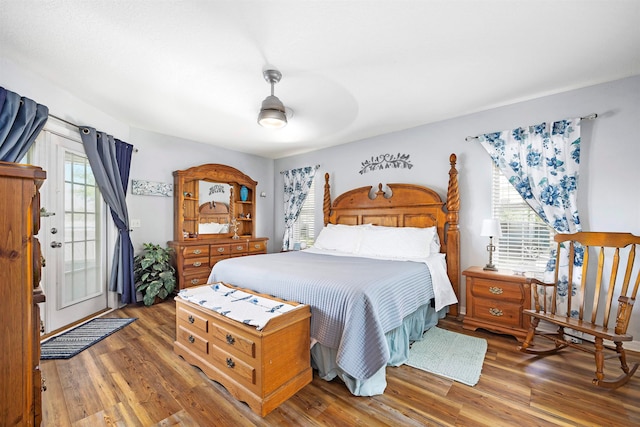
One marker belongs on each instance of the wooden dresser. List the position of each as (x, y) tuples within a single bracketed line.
[(20, 263), (214, 218), (495, 300), (262, 368), (194, 260)]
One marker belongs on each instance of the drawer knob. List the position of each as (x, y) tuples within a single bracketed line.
[(239, 248), (191, 319), (197, 264), (495, 290), (191, 339), (230, 363), (197, 251), (220, 249), (195, 281), (230, 339), (495, 312), (257, 246)]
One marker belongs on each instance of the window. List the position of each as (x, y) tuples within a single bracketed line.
[(303, 229), (526, 240)]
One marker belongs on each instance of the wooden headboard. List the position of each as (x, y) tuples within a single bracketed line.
[(214, 212), (405, 205)]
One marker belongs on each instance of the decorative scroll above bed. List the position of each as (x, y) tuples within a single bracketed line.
[(405, 205)]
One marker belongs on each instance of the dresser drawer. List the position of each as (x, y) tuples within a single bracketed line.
[(199, 262), (257, 246), (195, 251), (483, 288), (196, 277), (240, 247), (193, 319), (227, 339), (192, 340), (498, 312), (219, 250), (232, 365)]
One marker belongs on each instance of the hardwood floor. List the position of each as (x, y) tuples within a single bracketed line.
[(133, 378)]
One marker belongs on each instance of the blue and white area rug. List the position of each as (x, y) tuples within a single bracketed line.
[(72, 342), (449, 354)]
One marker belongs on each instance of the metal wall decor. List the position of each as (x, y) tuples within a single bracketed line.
[(149, 188), (386, 161)]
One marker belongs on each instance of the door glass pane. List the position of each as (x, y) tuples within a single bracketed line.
[(81, 248)]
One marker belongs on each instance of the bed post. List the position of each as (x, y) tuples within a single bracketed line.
[(326, 203), (453, 232)]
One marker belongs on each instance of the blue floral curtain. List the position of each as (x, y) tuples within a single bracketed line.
[(542, 163), (110, 160), (21, 120), (297, 183)]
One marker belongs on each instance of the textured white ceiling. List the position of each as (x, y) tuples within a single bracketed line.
[(351, 69)]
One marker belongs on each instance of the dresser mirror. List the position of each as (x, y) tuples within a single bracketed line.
[(214, 200)]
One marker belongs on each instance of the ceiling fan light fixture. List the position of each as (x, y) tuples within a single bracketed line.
[(273, 113)]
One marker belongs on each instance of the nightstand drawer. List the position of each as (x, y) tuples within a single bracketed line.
[(497, 312), (483, 288)]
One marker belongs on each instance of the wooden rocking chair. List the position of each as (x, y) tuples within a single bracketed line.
[(599, 284)]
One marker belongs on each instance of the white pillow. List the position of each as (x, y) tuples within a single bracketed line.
[(397, 242), (341, 238)]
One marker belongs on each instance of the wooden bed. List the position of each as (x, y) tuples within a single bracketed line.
[(214, 212), (365, 308), (405, 205)]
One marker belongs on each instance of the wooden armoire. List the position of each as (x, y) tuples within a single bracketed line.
[(20, 268)]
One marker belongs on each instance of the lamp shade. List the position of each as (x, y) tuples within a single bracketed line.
[(491, 228), (272, 114)]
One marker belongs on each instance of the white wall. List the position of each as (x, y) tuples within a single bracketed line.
[(609, 199)]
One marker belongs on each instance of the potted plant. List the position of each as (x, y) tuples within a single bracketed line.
[(153, 273)]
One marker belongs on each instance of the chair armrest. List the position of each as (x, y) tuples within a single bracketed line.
[(534, 281), (536, 297)]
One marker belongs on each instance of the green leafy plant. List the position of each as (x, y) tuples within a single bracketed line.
[(153, 273)]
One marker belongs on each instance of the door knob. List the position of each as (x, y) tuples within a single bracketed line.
[(54, 230), (56, 244)]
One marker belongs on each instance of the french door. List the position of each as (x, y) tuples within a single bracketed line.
[(72, 230)]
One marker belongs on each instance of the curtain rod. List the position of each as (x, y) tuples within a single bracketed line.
[(135, 150), (281, 172), (592, 116)]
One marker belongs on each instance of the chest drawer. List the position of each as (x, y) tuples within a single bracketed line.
[(232, 365), (193, 319), (505, 291), (227, 339), (195, 251), (192, 340)]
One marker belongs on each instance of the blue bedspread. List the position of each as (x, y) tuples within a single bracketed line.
[(354, 301)]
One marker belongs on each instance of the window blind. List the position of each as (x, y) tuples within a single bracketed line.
[(303, 229), (526, 240)]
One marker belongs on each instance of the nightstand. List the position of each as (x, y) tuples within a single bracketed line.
[(495, 300)]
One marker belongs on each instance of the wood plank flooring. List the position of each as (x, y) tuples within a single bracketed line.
[(133, 378)]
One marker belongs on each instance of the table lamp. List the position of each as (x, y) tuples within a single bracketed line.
[(491, 229)]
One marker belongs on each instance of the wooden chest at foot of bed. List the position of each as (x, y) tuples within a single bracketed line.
[(262, 368)]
